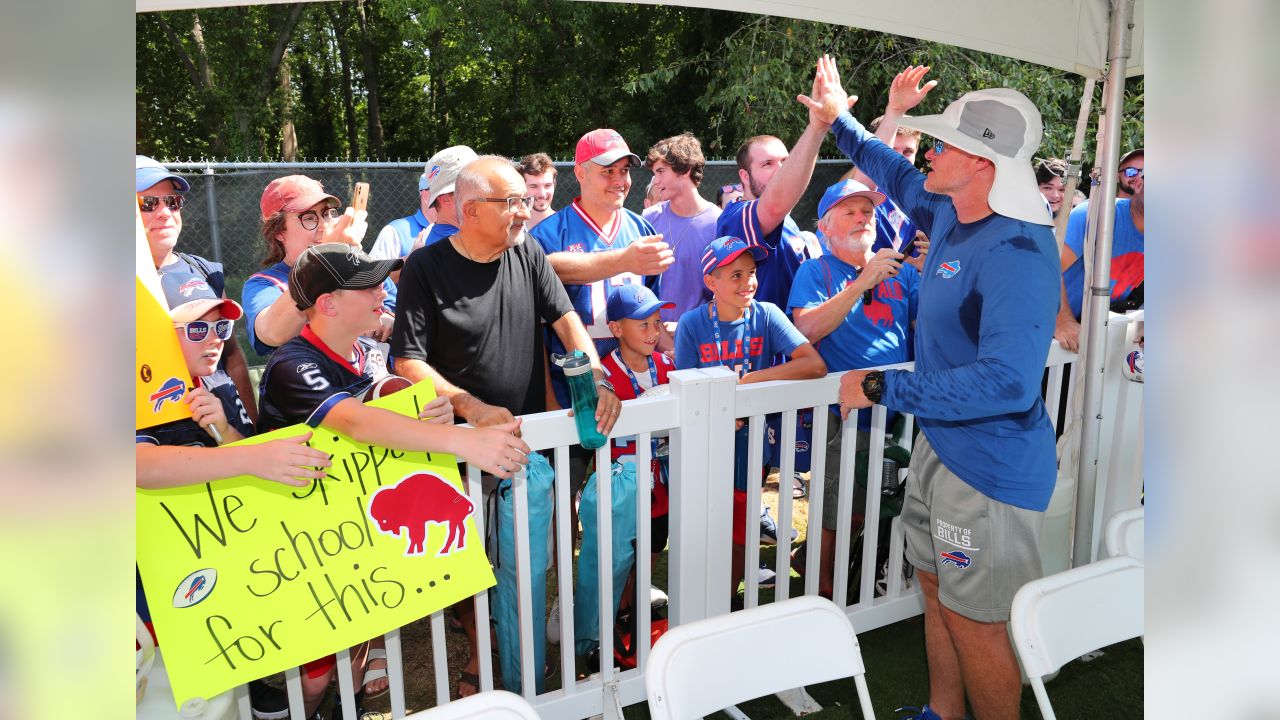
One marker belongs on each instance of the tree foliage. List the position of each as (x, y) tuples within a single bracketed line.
[(404, 78)]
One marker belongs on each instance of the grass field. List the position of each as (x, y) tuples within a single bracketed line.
[(1110, 686)]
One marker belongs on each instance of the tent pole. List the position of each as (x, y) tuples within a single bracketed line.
[(1099, 297), (1073, 162)]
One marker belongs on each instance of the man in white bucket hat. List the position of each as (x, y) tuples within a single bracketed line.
[(983, 471)]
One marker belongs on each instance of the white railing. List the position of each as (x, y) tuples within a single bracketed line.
[(699, 417)]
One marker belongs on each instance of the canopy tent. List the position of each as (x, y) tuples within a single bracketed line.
[(1081, 36)]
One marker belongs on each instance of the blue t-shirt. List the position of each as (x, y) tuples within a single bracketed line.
[(1127, 254), (439, 232), (570, 229), (264, 287), (763, 332), (986, 318), (893, 227), (785, 244), (870, 335), (747, 344)]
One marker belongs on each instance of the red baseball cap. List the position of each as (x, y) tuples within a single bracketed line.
[(603, 147), (293, 193)]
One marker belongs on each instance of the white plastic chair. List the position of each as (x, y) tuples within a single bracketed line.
[(495, 705), (701, 667), (1061, 617), (1124, 533)]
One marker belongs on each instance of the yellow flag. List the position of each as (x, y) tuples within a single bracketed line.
[(160, 371), (246, 577)]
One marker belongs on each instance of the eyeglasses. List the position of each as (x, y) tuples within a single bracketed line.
[(198, 330), (736, 187), (1132, 172), (513, 203), (150, 203), (311, 219)]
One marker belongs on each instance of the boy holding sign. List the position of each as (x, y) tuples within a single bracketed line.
[(320, 376)]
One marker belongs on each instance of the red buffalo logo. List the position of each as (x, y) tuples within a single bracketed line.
[(417, 500), (878, 312)]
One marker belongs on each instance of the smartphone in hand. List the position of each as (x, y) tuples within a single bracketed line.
[(360, 196)]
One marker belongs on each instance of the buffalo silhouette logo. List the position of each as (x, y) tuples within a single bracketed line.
[(417, 500)]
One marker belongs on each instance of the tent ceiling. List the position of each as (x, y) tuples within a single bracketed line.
[(1069, 35)]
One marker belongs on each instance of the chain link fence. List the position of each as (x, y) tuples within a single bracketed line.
[(221, 220)]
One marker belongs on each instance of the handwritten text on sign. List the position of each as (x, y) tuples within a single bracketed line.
[(245, 577)]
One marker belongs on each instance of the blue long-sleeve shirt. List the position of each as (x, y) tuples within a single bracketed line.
[(988, 298)]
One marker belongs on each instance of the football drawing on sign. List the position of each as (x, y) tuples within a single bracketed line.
[(417, 500)]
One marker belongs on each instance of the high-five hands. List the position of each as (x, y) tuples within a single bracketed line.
[(828, 98)]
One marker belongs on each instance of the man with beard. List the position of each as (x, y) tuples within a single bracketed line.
[(828, 303)]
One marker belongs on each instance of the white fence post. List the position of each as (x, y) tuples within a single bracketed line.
[(701, 490)]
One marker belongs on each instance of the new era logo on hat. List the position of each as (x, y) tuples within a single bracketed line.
[(724, 250), (1003, 126), (327, 267), (603, 147)]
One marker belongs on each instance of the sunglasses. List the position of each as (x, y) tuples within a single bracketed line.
[(1132, 172), (737, 187), (939, 147), (310, 219), (198, 330), (513, 203), (149, 203)]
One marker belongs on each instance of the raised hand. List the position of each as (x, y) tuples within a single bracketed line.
[(349, 228), (922, 249), (649, 255), (828, 99), (905, 92)]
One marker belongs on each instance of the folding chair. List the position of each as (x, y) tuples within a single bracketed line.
[(492, 705), (710, 664), (1061, 617), (1124, 533)]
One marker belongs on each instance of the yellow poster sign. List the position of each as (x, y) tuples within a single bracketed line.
[(245, 578), (160, 374)]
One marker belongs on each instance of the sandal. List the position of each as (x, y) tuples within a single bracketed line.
[(372, 675), (468, 678), (798, 488)]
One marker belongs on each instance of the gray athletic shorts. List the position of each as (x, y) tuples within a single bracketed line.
[(982, 550), (831, 473)]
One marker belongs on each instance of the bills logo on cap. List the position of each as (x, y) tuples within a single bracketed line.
[(172, 389), (957, 558), (949, 269), (191, 286), (435, 170)]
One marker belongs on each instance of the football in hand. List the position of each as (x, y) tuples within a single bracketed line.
[(384, 387)]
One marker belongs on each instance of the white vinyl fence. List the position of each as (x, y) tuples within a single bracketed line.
[(699, 417)]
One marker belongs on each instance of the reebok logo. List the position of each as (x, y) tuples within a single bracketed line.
[(986, 133)]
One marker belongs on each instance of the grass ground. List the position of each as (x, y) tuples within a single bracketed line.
[(1110, 686)]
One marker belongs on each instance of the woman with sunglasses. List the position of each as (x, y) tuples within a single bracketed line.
[(296, 214), (160, 200)]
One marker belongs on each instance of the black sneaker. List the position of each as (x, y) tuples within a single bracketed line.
[(269, 702)]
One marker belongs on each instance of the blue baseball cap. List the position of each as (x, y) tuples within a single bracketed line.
[(634, 302), (148, 172), (724, 250), (189, 296), (845, 189)]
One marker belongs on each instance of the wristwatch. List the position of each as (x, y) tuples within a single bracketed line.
[(606, 385), (873, 385)]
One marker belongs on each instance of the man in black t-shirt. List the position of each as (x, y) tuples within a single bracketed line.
[(470, 309), (470, 315)]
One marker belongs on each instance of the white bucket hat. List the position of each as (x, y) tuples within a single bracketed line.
[(1002, 126)]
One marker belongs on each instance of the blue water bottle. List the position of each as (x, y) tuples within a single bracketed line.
[(582, 388)]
